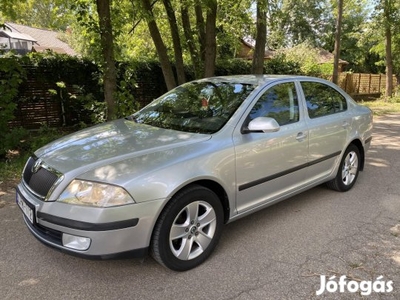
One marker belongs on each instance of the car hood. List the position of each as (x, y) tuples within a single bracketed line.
[(111, 142)]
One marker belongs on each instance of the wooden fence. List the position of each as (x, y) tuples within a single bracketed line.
[(37, 106), (361, 85)]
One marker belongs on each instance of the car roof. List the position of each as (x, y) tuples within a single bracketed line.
[(252, 79)]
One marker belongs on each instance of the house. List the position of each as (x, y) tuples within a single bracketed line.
[(326, 57), (24, 39), (247, 48)]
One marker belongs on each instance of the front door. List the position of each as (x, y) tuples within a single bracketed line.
[(269, 165)]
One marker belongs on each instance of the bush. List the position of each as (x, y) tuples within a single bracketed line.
[(307, 59), (43, 136), (277, 65), (11, 76)]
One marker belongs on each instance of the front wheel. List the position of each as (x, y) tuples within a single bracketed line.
[(348, 170), (188, 229)]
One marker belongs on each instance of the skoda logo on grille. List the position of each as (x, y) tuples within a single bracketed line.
[(38, 164)]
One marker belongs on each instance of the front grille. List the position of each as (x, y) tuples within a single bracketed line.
[(40, 179)]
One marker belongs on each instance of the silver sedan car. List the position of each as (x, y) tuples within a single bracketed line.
[(166, 179)]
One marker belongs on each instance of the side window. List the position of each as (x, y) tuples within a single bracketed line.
[(322, 99), (279, 102)]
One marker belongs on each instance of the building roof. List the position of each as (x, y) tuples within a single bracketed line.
[(44, 39), (246, 52), (16, 35), (327, 57)]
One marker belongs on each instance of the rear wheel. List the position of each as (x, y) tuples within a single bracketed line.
[(348, 170), (188, 229)]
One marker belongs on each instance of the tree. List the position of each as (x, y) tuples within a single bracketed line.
[(49, 14), (210, 39), (355, 14), (180, 70), (388, 23), (385, 38), (190, 42), (261, 38), (107, 45), (293, 22), (160, 46), (336, 52)]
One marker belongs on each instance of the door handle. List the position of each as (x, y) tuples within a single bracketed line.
[(301, 136)]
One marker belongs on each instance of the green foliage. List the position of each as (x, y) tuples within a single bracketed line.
[(11, 76), (277, 65), (384, 106), (44, 136), (13, 139), (74, 83), (97, 111), (10, 169), (293, 22), (307, 58), (232, 66), (52, 14), (386, 15), (124, 99)]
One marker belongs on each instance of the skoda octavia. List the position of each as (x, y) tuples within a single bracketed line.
[(166, 179)]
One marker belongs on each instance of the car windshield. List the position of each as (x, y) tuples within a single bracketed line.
[(198, 106)]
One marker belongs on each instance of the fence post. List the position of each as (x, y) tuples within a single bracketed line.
[(379, 85), (345, 82), (369, 84)]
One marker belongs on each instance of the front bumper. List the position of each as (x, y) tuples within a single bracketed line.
[(113, 231)]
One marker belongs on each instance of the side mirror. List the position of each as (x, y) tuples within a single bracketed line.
[(262, 124)]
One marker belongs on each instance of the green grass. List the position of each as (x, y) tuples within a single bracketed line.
[(11, 169), (381, 107)]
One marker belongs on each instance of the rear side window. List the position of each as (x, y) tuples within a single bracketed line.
[(278, 102), (322, 99)]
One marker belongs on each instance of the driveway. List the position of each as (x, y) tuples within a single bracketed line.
[(278, 253)]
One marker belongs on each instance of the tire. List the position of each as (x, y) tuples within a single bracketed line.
[(348, 171), (188, 229)]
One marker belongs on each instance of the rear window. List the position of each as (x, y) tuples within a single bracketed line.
[(322, 99)]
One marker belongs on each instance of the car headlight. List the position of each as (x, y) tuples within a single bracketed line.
[(90, 193)]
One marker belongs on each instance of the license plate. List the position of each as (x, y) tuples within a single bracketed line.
[(28, 212)]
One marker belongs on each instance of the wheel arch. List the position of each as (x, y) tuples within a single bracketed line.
[(213, 186), (220, 192), (360, 147)]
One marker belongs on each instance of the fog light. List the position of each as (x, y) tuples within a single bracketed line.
[(75, 242)]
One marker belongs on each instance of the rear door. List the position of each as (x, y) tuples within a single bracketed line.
[(329, 123), (269, 165)]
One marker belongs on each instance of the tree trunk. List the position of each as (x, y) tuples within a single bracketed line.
[(261, 38), (200, 28), (388, 46), (180, 70), (194, 53), (160, 47), (107, 46), (338, 33), (211, 43)]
